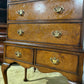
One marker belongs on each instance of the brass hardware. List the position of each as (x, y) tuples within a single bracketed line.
[(57, 34), (54, 61), (21, 12), (18, 54), (59, 9), (20, 32)]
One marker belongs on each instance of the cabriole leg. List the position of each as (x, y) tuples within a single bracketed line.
[(4, 69)]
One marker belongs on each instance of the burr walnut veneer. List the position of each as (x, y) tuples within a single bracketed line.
[(45, 34)]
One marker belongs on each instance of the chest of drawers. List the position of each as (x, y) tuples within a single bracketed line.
[(45, 34)]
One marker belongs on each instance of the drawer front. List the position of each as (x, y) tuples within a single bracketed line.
[(48, 33), (60, 61), (19, 53), (49, 9)]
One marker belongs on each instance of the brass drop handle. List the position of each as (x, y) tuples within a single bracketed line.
[(18, 54), (54, 61), (59, 9), (21, 12), (20, 32), (57, 34)]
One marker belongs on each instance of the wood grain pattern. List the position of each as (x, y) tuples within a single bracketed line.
[(27, 54), (70, 76), (43, 33), (51, 47), (45, 10), (67, 62), (37, 44), (46, 54)]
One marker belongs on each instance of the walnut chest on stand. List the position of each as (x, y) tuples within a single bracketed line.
[(45, 34)]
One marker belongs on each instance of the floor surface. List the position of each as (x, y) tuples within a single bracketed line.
[(17, 73)]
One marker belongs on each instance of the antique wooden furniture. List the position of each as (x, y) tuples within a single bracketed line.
[(46, 34), (3, 26)]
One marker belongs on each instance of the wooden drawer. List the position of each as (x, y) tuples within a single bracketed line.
[(48, 33), (19, 53), (57, 60), (46, 9)]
